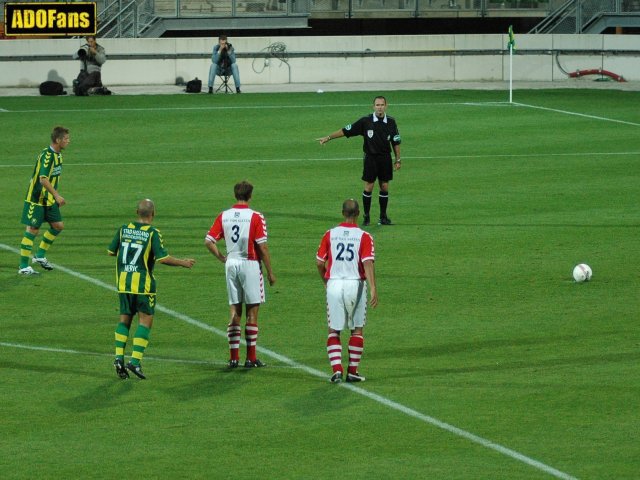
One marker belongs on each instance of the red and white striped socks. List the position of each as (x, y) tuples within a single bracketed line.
[(251, 337), (356, 346), (334, 350), (233, 334)]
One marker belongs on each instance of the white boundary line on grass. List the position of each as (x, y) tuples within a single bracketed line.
[(334, 159), (70, 351), (317, 373), (584, 115), (245, 107)]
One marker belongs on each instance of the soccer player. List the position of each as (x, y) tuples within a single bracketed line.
[(43, 202), (245, 234), (137, 246), (380, 134), (345, 263)]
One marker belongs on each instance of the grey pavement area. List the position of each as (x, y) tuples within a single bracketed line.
[(579, 83)]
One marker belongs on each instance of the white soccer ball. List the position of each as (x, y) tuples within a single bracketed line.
[(582, 273), (320, 90)]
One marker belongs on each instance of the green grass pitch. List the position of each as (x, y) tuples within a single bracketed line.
[(479, 326)]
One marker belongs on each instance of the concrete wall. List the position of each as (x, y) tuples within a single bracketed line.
[(26, 63)]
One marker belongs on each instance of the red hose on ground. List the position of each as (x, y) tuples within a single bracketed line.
[(597, 71)]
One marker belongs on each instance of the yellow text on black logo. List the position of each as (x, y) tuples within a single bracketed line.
[(50, 19)]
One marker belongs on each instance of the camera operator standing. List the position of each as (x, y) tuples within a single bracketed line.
[(92, 56), (223, 62)]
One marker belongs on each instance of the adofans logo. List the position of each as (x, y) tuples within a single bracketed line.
[(50, 19)]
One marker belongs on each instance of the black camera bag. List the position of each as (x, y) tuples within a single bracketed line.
[(51, 88), (194, 86)]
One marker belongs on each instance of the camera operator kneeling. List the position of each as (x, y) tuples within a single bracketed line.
[(92, 56)]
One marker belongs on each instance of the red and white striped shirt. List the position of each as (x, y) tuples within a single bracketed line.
[(242, 229), (344, 248)]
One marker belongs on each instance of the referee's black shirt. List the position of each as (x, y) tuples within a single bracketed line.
[(378, 133)]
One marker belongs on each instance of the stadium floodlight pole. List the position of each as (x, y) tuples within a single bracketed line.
[(512, 46)]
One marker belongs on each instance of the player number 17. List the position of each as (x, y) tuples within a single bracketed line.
[(125, 252)]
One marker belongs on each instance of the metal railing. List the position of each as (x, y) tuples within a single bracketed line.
[(341, 8), (575, 16), (131, 18), (124, 18), (430, 8)]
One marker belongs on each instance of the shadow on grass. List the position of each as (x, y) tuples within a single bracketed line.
[(106, 395)]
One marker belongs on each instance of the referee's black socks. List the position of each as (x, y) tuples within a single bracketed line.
[(366, 202), (384, 200)]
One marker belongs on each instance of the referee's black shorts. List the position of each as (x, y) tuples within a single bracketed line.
[(378, 167)]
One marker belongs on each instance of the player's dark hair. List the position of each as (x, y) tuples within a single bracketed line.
[(350, 208), (222, 37), (243, 191), (58, 133), (381, 97)]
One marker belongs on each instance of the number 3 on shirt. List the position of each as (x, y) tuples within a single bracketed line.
[(236, 233)]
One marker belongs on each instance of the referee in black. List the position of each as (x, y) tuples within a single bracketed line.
[(380, 133)]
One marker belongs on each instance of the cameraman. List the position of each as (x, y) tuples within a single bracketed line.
[(91, 56), (223, 62)]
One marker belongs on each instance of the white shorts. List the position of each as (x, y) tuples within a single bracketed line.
[(244, 282), (346, 304)]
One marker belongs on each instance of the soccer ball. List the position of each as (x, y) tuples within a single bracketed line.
[(582, 273)]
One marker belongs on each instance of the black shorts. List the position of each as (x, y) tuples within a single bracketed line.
[(378, 167)]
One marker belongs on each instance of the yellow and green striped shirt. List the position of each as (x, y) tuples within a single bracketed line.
[(137, 247), (49, 165)]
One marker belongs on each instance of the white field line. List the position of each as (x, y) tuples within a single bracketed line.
[(245, 107), (583, 115), (365, 393), (337, 159), (70, 351)]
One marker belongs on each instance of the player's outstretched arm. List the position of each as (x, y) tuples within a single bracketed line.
[(178, 262)]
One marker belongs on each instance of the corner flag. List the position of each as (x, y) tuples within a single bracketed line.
[(512, 39)]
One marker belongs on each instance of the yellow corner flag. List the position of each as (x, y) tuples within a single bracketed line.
[(512, 39)]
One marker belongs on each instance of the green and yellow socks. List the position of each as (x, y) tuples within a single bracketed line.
[(122, 334), (26, 245), (47, 239), (140, 342)]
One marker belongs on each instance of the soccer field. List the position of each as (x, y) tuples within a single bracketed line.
[(484, 359)]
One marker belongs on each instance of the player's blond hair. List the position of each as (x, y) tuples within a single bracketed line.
[(58, 133)]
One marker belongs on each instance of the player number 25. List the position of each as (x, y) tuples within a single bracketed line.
[(345, 250)]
